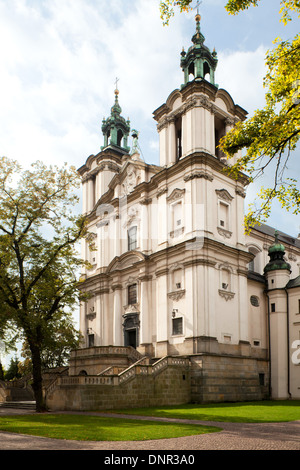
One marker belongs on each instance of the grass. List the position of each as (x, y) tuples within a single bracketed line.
[(97, 428), (93, 428), (243, 412)]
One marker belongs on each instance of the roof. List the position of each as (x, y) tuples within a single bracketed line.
[(293, 283), (283, 237)]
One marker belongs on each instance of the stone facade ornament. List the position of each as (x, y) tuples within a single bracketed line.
[(176, 295)]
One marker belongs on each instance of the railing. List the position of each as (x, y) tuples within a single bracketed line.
[(107, 350), (141, 367)]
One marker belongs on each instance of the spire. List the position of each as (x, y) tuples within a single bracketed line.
[(115, 128), (199, 61)]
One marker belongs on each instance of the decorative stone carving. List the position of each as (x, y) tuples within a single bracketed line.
[(176, 194), (224, 233), (145, 201), (161, 191), (227, 295), (177, 295), (131, 181), (292, 257), (198, 174), (224, 195), (177, 232), (240, 192), (91, 314), (130, 309)]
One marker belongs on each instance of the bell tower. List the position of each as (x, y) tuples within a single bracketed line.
[(196, 116), (277, 273), (116, 129), (198, 61)]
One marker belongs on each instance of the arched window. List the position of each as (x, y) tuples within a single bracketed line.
[(254, 265), (119, 138), (206, 71)]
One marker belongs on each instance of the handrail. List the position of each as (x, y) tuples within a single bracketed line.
[(136, 369)]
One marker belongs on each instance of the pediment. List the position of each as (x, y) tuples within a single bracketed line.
[(125, 261), (224, 194), (176, 194)]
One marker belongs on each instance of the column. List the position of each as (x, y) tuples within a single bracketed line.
[(172, 142), (117, 315), (162, 314), (145, 323)]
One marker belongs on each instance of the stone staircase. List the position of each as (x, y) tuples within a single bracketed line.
[(18, 405)]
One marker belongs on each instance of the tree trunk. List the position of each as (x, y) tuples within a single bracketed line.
[(37, 379)]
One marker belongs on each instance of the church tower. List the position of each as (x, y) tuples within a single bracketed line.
[(100, 169), (199, 61), (277, 273), (116, 129), (197, 116)]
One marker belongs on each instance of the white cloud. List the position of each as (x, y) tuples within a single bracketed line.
[(241, 73)]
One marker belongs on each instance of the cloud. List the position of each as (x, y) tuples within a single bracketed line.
[(241, 73), (58, 68)]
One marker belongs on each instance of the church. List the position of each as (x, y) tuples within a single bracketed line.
[(171, 272)]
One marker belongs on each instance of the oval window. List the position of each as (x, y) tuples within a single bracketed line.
[(254, 301)]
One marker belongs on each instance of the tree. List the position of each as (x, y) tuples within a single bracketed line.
[(12, 371), (273, 132), (39, 230), (269, 138), (167, 8)]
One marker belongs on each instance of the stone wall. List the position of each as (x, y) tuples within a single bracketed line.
[(171, 386), (173, 380), (217, 378)]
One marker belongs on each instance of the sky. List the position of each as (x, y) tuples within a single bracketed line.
[(59, 60)]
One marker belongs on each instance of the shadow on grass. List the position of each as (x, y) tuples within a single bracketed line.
[(93, 428)]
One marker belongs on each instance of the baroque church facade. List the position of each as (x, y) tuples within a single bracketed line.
[(171, 271)]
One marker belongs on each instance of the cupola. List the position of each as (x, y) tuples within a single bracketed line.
[(199, 61), (276, 254), (116, 129)]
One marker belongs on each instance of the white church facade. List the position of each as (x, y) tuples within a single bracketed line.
[(171, 271)]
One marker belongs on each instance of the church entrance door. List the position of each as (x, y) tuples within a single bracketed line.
[(131, 330), (130, 338)]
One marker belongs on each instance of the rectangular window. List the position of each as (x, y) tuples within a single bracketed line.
[(91, 341), (177, 215), (132, 294), (272, 307), (261, 379), (177, 326), (223, 215), (132, 238)]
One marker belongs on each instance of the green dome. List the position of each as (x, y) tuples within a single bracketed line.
[(276, 253), (277, 247)]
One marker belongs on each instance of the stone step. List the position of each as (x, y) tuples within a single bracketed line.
[(25, 405)]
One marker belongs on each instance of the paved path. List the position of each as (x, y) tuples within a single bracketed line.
[(234, 436)]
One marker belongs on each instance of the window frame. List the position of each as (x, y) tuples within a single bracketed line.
[(132, 238)]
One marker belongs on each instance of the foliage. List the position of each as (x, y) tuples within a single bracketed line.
[(39, 230), (13, 370), (273, 132), (60, 339), (167, 8)]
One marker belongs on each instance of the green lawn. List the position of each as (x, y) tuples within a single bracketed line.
[(97, 428), (246, 412), (93, 428)]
